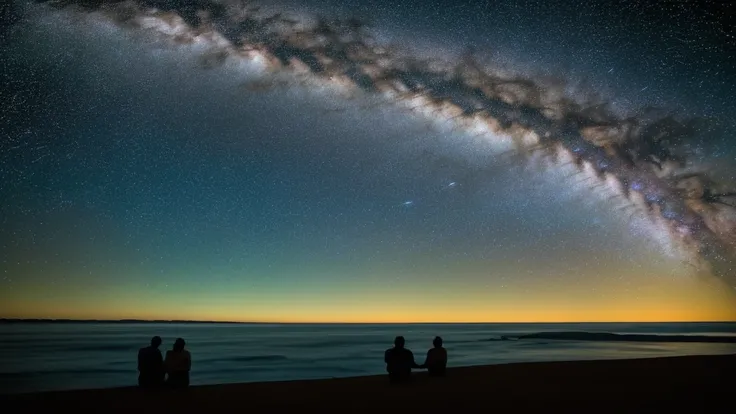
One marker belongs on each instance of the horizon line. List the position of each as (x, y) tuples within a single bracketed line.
[(192, 321)]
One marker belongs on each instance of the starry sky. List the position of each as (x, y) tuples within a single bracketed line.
[(137, 183)]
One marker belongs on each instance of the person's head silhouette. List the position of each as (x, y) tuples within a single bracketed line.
[(399, 342), (156, 341), (179, 345), (437, 342)]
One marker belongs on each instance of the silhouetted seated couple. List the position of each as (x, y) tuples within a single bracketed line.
[(400, 361), (152, 368)]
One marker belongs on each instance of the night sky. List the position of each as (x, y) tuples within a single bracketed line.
[(137, 181)]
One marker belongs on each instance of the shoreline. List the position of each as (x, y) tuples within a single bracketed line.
[(619, 385)]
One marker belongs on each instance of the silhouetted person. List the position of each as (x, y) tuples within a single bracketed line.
[(151, 365), (178, 363), (436, 362), (399, 361)]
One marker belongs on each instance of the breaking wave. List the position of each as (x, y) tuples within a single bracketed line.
[(607, 337)]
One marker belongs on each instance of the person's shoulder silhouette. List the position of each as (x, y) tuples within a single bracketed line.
[(436, 362), (150, 364), (399, 361), (178, 364)]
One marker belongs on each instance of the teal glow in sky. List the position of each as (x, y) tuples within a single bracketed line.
[(142, 183)]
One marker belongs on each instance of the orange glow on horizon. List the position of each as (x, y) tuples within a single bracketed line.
[(655, 304), (446, 295)]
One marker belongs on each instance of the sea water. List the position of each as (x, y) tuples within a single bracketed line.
[(44, 356)]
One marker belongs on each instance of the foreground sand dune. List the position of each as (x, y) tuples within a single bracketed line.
[(702, 383)]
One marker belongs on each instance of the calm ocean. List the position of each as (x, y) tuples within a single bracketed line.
[(56, 356)]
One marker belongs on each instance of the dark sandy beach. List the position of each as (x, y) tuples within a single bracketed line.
[(636, 385)]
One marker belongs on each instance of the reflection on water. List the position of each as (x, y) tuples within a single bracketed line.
[(43, 356)]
